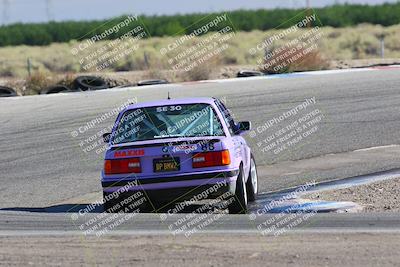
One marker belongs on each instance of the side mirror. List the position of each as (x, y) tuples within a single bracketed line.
[(243, 126), (106, 137)]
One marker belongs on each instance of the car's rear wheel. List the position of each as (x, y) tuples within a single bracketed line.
[(239, 203), (252, 181)]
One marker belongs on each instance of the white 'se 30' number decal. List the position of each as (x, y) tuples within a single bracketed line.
[(169, 108)]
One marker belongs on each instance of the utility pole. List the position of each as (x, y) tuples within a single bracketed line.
[(49, 11), (6, 7), (381, 38), (28, 66), (308, 12)]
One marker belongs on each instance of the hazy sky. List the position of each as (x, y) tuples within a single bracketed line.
[(42, 10)]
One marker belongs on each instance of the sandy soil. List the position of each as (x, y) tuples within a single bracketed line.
[(380, 196), (203, 250)]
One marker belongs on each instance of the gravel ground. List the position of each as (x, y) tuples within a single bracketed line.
[(379, 196), (350, 249)]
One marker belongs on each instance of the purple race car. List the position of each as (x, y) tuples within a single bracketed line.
[(173, 150)]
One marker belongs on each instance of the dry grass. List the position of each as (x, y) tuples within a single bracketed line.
[(51, 63), (358, 42), (200, 72), (37, 82), (304, 61)]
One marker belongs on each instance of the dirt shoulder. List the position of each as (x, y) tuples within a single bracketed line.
[(203, 250), (112, 79), (379, 196)]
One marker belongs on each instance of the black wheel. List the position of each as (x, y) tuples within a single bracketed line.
[(85, 83), (252, 181), (239, 203), (248, 73), (7, 91)]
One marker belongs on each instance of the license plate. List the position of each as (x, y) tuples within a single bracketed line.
[(166, 164)]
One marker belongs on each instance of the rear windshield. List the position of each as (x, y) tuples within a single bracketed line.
[(189, 120)]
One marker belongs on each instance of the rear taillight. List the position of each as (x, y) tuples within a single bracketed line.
[(116, 166), (209, 159)]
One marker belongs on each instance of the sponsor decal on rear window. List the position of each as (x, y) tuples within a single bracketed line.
[(184, 147)]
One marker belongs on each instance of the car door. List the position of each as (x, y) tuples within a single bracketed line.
[(238, 140)]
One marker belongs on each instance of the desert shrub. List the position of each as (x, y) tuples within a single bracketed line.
[(6, 72), (198, 73), (289, 59), (37, 82), (67, 80), (334, 34), (392, 38), (154, 73), (54, 65), (13, 60), (361, 46), (311, 61)]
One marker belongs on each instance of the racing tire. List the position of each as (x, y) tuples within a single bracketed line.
[(252, 181), (85, 83), (239, 203), (7, 91), (248, 73)]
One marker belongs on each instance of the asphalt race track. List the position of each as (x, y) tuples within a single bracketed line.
[(42, 164)]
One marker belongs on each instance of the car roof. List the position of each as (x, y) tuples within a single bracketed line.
[(173, 101)]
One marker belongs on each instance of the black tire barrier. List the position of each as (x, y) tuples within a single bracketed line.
[(151, 82), (85, 83), (55, 89), (249, 73), (7, 91)]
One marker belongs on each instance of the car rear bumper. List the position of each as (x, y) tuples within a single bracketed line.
[(171, 185)]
